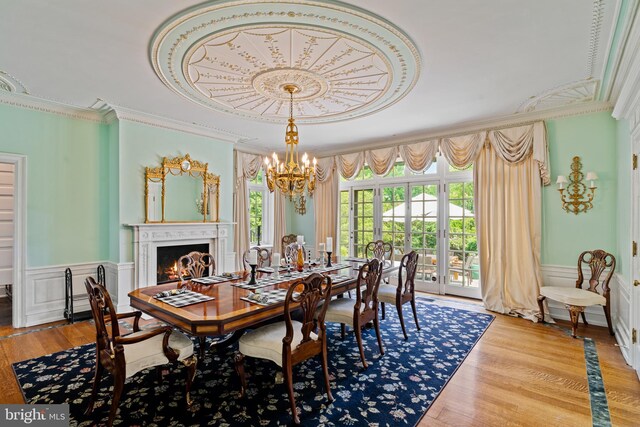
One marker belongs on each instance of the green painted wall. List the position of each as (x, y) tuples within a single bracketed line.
[(142, 145), (624, 197), (113, 141), (565, 235), (67, 184)]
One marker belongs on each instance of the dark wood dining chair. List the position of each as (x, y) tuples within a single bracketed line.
[(291, 342), (576, 299), (124, 356), (264, 257), (404, 292), (379, 250), (286, 241), (365, 309), (196, 264)]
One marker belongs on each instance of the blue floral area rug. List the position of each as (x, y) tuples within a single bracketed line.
[(396, 389)]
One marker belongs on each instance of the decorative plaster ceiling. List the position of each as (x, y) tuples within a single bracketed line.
[(236, 56), (484, 61), (9, 83)]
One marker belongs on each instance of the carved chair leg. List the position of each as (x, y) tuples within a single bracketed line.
[(541, 299), (94, 390), (415, 313), (118, 387), (400, 316), (376, 324), (239, 363), (607, 314), (325, 370), (288, 378), (190, 364), (574, 313), (382, 305), (584, 318), (343, 330), (358, 333)]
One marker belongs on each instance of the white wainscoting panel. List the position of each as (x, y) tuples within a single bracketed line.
[(560, 275), (621, 315), (44, 292)]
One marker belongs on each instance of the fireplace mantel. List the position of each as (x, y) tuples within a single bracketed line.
[(148, 237)]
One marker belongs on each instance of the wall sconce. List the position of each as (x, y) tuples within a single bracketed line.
[(573, 193)]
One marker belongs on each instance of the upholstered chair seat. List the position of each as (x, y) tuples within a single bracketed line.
[(341, 311), (387, 293), (573, 296), (266, 342), (148, 353)]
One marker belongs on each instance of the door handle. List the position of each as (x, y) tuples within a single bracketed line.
[(636, 283)]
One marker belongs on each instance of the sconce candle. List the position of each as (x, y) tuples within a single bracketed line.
[(561, 181), (592, 177)]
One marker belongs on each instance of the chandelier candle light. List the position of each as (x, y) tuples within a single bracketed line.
[(291, 177)]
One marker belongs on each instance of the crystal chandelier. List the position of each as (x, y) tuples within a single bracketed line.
[(290, 176)]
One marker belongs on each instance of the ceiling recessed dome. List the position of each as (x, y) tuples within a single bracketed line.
[(236, 56)]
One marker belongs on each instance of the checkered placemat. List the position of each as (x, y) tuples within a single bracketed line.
[(338, 278), (182, 298), (265, 298), (212, 280)]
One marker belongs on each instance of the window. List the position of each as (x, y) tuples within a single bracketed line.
[(430, 212), (260, 212)]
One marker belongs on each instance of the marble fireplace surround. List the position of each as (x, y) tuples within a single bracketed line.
[(148, 237)]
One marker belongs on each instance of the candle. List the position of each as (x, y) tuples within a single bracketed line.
[(275, 262), (321, 247), (300, 240), (253, 257), (329, 244)]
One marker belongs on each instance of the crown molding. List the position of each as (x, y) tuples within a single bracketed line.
[(30, 102), (625, 66), (110, 112), (247, 147), (478, 126)]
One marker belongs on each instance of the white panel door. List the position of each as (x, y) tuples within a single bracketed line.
[(7, 176)]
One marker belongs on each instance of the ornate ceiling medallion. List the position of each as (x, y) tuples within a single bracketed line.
[(9, 83), (237, 55)]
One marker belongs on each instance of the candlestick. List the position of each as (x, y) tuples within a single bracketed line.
[(328, 258), (275, 264), (252, 281), (321, 247), (329, 244)]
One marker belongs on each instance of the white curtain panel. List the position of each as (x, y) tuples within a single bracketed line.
[(418, 157), (247, 168), (508, 215), (279, 218), (381, 160), (326, 210)]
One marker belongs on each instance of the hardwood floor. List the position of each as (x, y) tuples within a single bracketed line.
[(519, 374)]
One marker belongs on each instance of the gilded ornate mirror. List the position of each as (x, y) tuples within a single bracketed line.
[(181, 190)]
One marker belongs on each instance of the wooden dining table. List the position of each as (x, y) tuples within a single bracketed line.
[(227, 313)]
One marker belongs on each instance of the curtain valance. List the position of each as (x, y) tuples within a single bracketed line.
[(513, 145)]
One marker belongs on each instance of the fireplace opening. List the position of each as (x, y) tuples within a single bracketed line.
[(168, 260)]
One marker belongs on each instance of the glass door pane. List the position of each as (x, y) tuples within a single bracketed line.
[(394, 211), (363, 220), (463, 263), (423, 217)]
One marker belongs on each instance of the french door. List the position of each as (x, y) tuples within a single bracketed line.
[(433, 218)]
